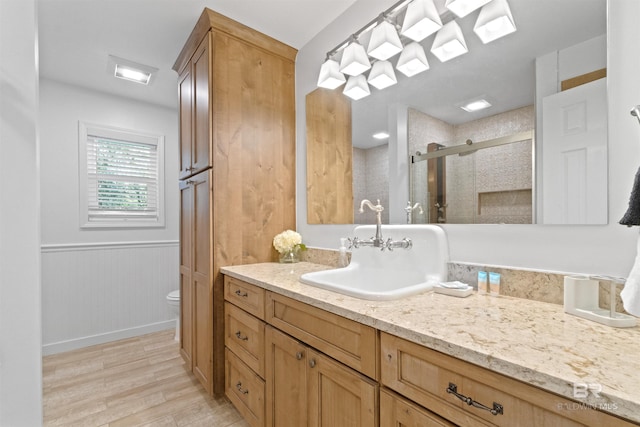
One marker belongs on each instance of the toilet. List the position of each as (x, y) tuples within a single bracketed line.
[(173, 299)]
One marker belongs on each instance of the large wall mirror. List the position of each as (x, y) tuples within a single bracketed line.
[(538, 154)]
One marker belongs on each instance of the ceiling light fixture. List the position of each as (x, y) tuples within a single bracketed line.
[(129, 70), (384, 42), (464, 7), (421, 20), (477, 105), (449, 42), (412, 60), (357, 87), (381, 135), (354, 59), (382, 75), (495, 21), (330, 75)]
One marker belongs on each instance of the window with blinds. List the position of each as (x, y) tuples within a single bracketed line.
[(121, 177)]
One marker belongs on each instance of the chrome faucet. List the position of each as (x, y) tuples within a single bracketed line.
[(410, 209), (378, 241)]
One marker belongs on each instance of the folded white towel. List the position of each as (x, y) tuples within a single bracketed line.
[(631, 292)]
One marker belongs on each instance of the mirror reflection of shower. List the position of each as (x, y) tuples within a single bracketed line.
[(477, 172)]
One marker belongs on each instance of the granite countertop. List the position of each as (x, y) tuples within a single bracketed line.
[(531, 341)]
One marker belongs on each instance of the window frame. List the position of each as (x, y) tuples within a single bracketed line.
[(114, 220)]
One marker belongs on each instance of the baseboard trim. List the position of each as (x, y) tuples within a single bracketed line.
[(74, 344)]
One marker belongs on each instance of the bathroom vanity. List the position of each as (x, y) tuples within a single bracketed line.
[(300, 355)]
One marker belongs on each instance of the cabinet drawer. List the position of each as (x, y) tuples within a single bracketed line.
[(244, 335), (245, 389), (425, 375), (248, 297), (349, 342), (396, 411)]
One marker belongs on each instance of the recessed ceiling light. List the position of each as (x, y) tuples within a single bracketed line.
[(129, 70), (381, 135), (479, 104)]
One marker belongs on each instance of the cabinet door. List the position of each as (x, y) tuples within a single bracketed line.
[(185, 100), (186, 279), (339, 396), (286, 380), (201, 63), (202, 280)]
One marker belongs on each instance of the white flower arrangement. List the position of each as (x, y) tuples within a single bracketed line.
[(287, 241)]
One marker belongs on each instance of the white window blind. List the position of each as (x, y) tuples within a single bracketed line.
[(123, 177)]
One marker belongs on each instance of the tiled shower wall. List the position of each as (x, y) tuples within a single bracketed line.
[(370, 181)]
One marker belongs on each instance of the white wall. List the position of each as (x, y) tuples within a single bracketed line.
[(608, 249), (20, 326), (101, 284)]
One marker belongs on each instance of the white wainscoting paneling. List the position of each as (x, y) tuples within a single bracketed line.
[(95, 293)]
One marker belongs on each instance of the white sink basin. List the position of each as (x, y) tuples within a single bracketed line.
[(387, 275)]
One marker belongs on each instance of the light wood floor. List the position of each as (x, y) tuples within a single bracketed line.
[(134, 382)]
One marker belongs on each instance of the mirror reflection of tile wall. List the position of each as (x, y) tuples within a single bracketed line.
[(492, 185), (370, 181)]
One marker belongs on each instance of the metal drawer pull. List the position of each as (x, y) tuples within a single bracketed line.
[(241, 337), (497, 408), (241, 294), (312, 363), (240, 389), (299, 355)]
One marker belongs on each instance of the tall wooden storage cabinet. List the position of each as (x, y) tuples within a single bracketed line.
[(237, 123)]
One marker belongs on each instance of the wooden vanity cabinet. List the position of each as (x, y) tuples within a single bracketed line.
[(396, 411), (282, 378), (308, 388), (237, 125), (432, 380)]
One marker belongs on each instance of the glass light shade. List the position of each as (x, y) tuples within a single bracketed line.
[(354, 60), (495, 21), (330, 76), (449, 42), (357, 87), (382, 75), (412, 60), (421, 20), (384, 42), (464, 7)]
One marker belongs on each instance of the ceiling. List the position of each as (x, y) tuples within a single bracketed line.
[(77, 36)]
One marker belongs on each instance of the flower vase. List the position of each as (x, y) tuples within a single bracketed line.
[(290, 256)]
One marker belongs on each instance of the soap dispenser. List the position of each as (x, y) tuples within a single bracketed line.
[(343, 258)]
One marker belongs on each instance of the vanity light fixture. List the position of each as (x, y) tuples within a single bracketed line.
[(357, 87), (354, 59), (330, 75), (412, 60), (464, 7), (477, 105), (382, 75), (384, 42), (421, 20), (449, 42), (129, 70), (495, 21)]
